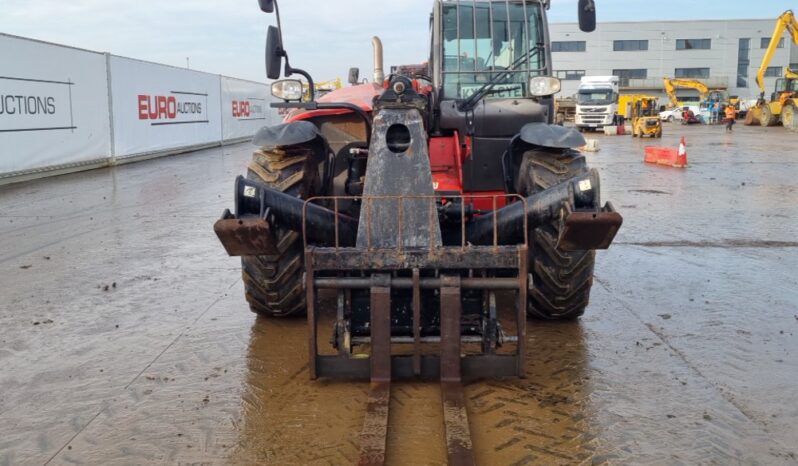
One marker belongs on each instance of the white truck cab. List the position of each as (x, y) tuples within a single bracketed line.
[(597, 102)]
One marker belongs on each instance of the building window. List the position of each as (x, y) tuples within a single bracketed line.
[(629, 45), (765, 43), (743, 62), (568, 46), (691, 73), (693, 44), (569, 75), (773, 72), (626, 75)]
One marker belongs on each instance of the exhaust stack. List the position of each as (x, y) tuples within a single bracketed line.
[(379, 72)]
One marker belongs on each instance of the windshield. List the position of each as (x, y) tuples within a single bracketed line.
[(481, 38), (786, 85), (595, 97)]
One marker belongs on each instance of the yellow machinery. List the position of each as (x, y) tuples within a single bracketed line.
[(705, 94), (645, 117), (671, 85), (783, 103), (625, 103), (323, 87)]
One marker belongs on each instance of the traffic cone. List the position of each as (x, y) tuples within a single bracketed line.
[(681, 156)]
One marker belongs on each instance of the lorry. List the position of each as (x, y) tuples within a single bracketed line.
[(412, 201), (597, 102)]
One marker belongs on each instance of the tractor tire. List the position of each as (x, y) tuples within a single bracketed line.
[(789, 117), (561, 280), (273, 284), (766, 117)]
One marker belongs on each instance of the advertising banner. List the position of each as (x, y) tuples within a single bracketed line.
[(160, 108), (53, 105), (245, 108)]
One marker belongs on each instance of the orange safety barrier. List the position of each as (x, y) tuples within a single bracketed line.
[(667, 156)]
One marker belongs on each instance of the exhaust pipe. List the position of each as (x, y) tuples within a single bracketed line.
[(379, 72)]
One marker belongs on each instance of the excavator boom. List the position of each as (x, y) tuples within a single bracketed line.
[(672, 84), (784, 22)]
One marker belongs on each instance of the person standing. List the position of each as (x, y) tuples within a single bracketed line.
[(731, 117)]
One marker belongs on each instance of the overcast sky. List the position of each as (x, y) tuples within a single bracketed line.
[(325, 37)]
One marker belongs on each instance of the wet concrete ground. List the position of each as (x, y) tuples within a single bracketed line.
[(125, 338)]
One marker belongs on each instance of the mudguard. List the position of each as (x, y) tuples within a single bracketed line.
[(285, 134), (554, 136), (540, 135)]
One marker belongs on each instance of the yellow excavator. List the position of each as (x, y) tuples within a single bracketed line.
[(671, 84), (783, 104), (705, 93)]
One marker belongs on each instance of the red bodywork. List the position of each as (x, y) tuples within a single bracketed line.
[(447, 154)]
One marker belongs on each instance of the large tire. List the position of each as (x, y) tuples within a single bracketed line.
[(273, 284), (561, 280), (789, 117), (766, 117)]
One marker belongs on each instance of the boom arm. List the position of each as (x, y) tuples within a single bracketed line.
[(672, 84), (785, 21)]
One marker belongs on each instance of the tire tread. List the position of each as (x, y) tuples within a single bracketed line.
[(561, 280), (273, 283)]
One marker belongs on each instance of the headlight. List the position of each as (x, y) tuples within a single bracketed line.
[(541, 86), (287, 89)]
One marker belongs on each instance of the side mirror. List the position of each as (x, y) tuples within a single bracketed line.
[(587, 15), (354, 76), (266, 6), (274, 53)]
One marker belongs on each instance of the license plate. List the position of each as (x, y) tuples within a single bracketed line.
[(499, 91)]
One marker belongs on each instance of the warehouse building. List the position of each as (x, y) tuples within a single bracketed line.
[(724, 54)]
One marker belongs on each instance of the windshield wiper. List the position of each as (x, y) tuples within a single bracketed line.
[(469, 104)]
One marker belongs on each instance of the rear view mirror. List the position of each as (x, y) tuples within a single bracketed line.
[(354, 76), (274, 58), (587, 15), (266, 6)]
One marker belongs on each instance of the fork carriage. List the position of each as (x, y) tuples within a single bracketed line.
[(439, 295)]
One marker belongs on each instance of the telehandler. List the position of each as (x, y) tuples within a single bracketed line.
[(415, 199)]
